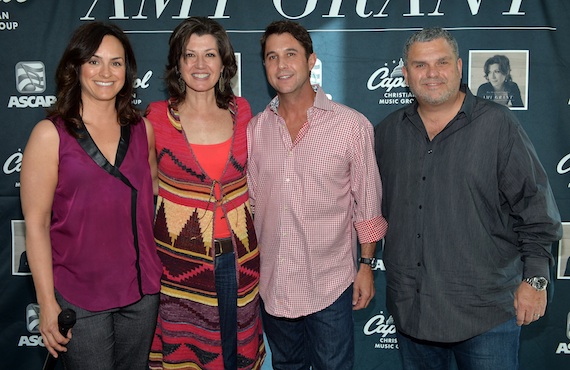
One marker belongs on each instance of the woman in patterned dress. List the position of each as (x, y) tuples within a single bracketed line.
[(209, 309)]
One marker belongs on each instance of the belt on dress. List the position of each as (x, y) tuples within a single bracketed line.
[(222, 246)]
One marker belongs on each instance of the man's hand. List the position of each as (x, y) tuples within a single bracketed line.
[(530, 304), (363, 288)]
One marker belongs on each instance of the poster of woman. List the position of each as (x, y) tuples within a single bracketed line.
[(501, 76)]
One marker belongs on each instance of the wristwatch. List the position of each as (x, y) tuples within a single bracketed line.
[(368, 261), (538, 282)]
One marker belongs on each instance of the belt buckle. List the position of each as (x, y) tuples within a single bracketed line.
[(220, 250), (223, 243)]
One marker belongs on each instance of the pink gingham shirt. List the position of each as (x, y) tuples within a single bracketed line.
[(312, 198)]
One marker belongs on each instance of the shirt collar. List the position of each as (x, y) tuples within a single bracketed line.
[(321, 101), (468, 103), (466, 107)]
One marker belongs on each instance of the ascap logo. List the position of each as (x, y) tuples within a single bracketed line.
[(33, 326), (564, 348), (384, 78), (31, 341), (33, 318), (31, 101), (31, 79)]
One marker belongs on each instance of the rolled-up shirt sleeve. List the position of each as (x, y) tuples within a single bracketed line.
[(366, 186)]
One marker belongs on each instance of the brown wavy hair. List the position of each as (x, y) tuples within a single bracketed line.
[(504, 66), (83, 45), (177, 44), (295, 29)]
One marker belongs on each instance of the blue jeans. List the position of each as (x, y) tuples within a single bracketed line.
[(495, 349), (323, 340), (226, 290), (118, 338)]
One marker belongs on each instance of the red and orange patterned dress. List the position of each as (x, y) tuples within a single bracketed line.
[(188, 329)]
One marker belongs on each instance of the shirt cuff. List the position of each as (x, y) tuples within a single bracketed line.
[(371, 231), (536, 266)]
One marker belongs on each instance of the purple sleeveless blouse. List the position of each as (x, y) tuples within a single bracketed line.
[(95, 262)]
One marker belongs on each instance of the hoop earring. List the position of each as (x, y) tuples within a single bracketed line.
[(221, 84)]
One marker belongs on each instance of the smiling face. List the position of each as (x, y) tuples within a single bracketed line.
[(103, 75), (496, 77), (201, 64), (286, 64), (433, 72)]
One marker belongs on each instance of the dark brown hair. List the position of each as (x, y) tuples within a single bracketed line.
[(299, 32), (504, 66), (200, 26), (83, 45)]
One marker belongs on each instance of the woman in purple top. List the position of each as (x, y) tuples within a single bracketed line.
[(87, 197)]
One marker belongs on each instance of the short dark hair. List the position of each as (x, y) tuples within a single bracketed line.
[(83, 45), (177, 43), (504, 66), (299, 32), (430, 34)]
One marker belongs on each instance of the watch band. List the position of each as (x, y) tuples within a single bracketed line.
[(367, 261)]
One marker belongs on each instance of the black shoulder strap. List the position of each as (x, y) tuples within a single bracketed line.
[(87, 143)]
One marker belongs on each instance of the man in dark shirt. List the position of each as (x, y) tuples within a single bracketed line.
[(471, 214)]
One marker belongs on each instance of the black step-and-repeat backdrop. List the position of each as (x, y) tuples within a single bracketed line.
[(359, 45)]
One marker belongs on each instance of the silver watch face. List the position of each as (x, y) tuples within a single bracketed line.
[(538, 283)]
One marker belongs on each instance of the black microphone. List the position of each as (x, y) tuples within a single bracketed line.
[(65, 320)]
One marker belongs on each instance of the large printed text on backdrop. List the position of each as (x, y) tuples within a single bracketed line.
[(358, 44)]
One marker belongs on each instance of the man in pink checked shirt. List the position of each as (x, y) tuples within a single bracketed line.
[(315, 188)]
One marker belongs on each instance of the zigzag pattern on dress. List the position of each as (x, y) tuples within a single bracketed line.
[(187, 335)]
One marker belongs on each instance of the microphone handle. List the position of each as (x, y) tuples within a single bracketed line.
[(50, 362), (65, 320)]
